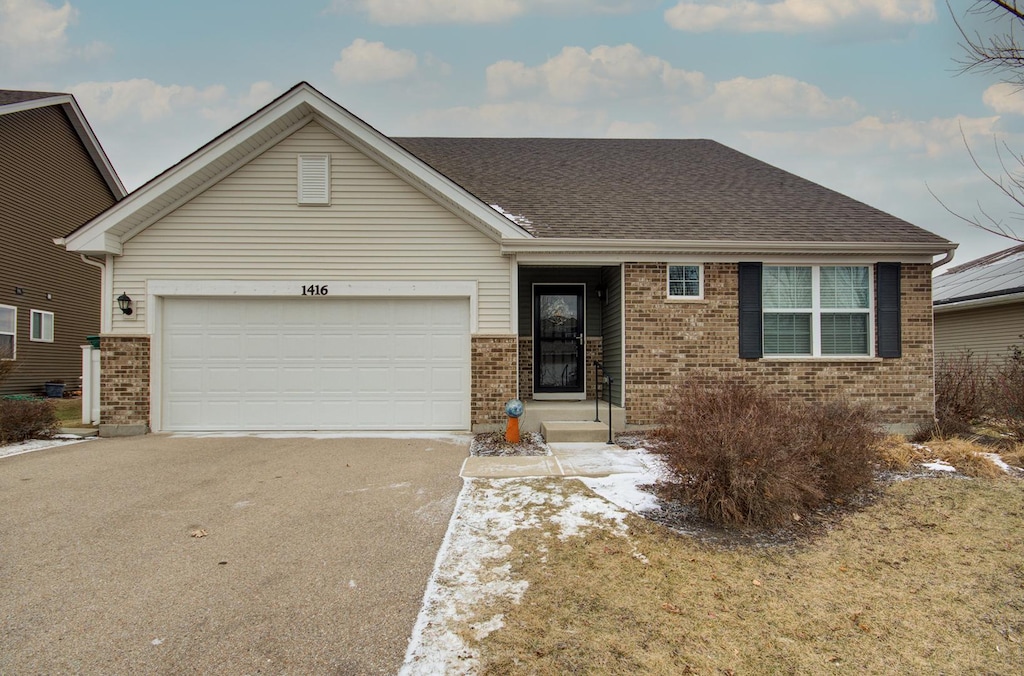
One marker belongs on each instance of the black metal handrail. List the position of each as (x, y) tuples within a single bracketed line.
[(598, 371)]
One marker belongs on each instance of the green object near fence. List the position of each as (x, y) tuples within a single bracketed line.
[(94, 341), (22, 397)]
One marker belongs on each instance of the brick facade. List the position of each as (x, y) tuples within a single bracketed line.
[(124, 380), (595, 352), (668, 343), (494, 378)]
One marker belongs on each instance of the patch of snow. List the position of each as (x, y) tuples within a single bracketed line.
[(472, 569), (624, 489), (998, 461), (938, 466), (520, 220), (41, 444), (156, 641)]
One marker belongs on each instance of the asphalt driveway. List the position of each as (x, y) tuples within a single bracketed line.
[(315, 556)]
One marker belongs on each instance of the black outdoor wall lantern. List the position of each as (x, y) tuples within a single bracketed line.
[(125, 303)]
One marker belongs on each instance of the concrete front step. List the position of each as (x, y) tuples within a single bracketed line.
[(573, 431), (537, 412)]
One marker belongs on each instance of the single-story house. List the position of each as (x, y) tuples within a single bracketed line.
[(979, 306), (304, 271), (54, 176)]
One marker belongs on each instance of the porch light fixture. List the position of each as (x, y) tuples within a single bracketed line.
[(125, 303)]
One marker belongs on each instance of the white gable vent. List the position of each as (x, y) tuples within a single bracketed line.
[(315, 179)]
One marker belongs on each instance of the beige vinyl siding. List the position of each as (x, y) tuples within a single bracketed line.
[(377, 227), (611, 329), (986, 331)]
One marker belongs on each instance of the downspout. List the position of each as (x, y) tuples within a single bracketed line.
[(105, 300), (945, 259)]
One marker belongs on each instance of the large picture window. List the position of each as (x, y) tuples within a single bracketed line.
[(816, 310), (8, 331)]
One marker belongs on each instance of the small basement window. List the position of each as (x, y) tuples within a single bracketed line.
[(685, 281), (315, 179), (41, 329), (8, 331)]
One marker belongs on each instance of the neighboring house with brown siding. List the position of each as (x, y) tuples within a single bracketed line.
[(54, 176), (303, 271), (979, 306)]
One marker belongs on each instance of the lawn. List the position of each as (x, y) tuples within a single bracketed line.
[(69, 411), (929, 578)]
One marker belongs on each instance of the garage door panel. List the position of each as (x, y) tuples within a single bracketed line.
[(307, 364)]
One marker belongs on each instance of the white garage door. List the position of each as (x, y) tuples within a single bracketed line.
[(315, 364)]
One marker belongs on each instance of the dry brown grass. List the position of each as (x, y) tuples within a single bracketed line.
[(1014, 455), (929, 579), (899, 455), (895, 453)]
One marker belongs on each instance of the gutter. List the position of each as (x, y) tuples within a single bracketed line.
[(945, 259), (557, 245), (106, 306)]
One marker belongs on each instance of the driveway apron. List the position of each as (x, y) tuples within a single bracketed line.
[(220, 555)]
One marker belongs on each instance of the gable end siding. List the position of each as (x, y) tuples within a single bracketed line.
[(377, 227)]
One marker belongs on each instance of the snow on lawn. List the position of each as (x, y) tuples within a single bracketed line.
[(472, 571), (40, 444), (624, 489)]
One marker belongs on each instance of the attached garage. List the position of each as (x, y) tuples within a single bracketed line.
[(316, 363)]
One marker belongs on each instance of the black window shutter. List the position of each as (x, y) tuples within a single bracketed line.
[(750, 311), (887, 307)]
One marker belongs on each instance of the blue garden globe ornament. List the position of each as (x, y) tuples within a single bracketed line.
[(514, 408)]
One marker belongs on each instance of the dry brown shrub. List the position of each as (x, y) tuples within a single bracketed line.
[(896, 453), (750, 458), (962, 392), (1008, 393), (21, 420)]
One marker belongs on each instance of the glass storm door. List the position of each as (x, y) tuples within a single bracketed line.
[(559, 336)]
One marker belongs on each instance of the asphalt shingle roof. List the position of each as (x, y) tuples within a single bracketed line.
[(654, 189), (996, 274), (8, 96)]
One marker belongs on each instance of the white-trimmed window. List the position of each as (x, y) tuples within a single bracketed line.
[(41, 327), (8, 331), (817, 310), (315, 179), (686, 281)]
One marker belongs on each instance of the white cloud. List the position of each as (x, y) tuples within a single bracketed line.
[(394, 12), (34, 32), (771, 97), (871, 134), (141, 99), (620, 129), (1004, 98), (517, 118), (364, 61), (793, 16), (604, 72)]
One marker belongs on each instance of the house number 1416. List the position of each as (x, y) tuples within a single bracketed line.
[(314, 290)]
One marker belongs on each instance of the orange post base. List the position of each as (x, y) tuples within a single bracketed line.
[(512, 431)]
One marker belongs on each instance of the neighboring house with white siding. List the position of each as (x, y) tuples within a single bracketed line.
[(979, 306), (303, 271)]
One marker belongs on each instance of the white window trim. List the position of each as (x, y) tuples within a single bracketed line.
[(700, 281), (321, 198), (14, 342), (816, 311), (42, 326)]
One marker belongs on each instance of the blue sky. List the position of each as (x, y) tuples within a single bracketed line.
[(859, 95)]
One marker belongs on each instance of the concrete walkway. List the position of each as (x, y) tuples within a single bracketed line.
[(577, 459)]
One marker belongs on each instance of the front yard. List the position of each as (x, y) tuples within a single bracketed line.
[(547, 578)]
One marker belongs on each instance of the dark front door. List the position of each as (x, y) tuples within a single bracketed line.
[(558, 339)]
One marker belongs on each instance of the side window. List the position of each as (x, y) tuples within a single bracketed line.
[(41, 329), (685, 281), (8, 331)]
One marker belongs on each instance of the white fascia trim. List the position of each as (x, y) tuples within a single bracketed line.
[(570, 247), (1006, 299), (162, 288), (85, 133), (385, 150)]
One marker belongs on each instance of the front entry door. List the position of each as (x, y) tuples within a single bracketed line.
[(559, 337)]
